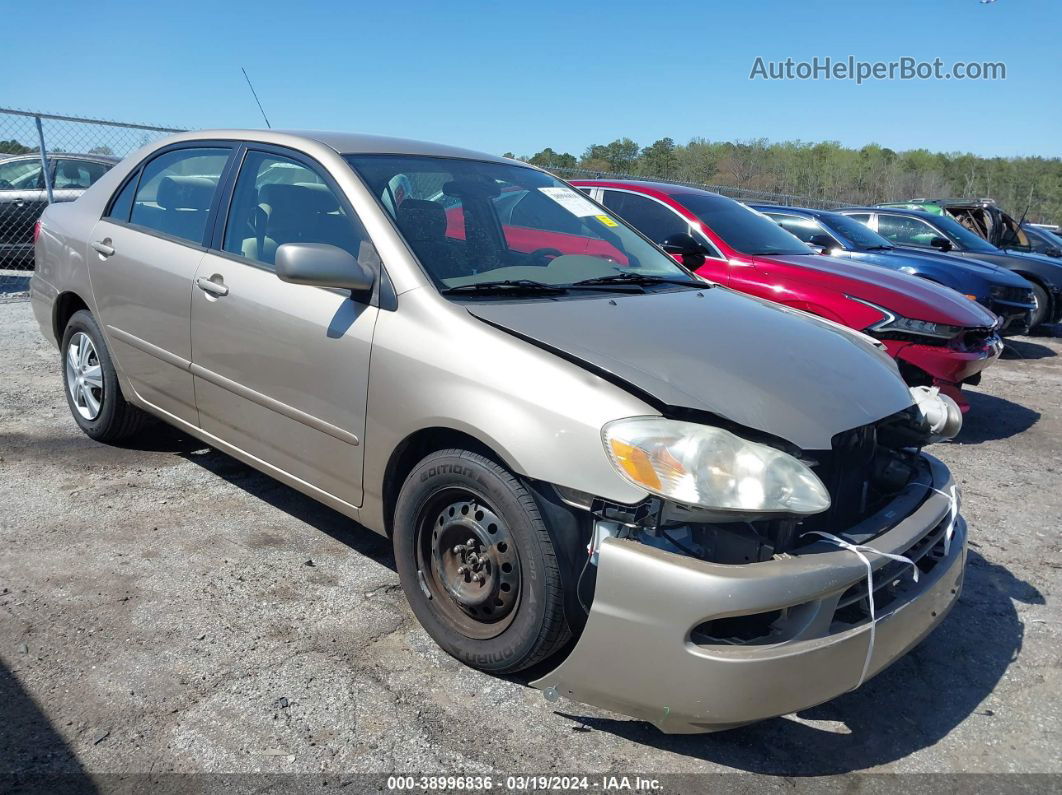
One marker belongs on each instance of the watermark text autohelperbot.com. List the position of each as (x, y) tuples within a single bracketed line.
[(850, 68)]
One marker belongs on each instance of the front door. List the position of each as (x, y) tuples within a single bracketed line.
[(281, 370), (142, 257)]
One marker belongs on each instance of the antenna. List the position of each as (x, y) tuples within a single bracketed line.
[(256, 99)]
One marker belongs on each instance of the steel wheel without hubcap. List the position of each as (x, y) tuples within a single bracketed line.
[(468, 564), (84, 376)]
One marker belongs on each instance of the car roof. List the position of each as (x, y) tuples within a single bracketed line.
[(766, 208), (345, 143), (891, 210), (669, 188), (64, 155)]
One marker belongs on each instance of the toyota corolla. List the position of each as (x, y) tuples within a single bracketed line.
[(564, 431)]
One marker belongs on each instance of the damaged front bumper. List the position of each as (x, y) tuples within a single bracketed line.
[(649, 649), (948, 367)]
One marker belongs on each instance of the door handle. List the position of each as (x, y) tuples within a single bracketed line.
[(212, 287), (103, 248)]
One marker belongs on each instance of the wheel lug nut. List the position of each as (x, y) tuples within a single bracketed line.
[(459, 549), (462, 569)]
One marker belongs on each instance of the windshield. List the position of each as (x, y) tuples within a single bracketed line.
[(743, 229), (471, 222), (961, 235), (860, 235)]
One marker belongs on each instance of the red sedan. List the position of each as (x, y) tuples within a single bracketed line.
[(937, 336)]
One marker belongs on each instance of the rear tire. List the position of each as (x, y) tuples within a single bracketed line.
[(1043, 306), (91, 383), (478, 564)]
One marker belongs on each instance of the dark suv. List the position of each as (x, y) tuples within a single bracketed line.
[(24, 195)]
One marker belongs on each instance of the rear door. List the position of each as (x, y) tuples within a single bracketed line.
[(281, 370), (143, 256)]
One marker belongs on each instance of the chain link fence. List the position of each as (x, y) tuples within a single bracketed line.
[(46, 158), (739, 194)]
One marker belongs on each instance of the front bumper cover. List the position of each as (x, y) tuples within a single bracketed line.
[(637, 654)]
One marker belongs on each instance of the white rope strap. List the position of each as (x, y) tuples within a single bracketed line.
[(952, 495), (859, 550)]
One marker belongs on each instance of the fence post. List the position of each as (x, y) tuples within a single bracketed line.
[(44, 160)]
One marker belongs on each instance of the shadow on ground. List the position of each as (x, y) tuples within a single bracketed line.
[(992, 418), (164, 438), (908, 707), (1023, 349), (32, 751)]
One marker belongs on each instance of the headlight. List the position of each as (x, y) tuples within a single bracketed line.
[(895, 322), (711, 468)]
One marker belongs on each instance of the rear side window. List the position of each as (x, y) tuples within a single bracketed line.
[(123, 202), (803, 228), (176, 191), (77, 174)]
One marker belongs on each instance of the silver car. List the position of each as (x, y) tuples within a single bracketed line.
[(566, 434)]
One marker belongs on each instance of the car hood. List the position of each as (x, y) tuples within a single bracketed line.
[(753, 362), (990, 270), (899, 292), (995, 273)]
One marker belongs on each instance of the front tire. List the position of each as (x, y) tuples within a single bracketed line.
[(478, 564), (1043, 305), (91, 383)]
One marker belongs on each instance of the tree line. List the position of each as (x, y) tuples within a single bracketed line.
[(827, 172)]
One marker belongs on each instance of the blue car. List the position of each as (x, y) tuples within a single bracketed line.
[(1004, 293), (921, 232)]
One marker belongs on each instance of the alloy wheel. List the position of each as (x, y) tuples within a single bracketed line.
[(84, 376)]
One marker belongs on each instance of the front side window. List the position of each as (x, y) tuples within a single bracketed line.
[(649, 217), (279, 200), (743, 229), (21, 175), (176, 190), (855, 230), (470, 222), (906, 231), (77, 174)]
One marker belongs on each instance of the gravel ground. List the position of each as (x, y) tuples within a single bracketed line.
[(165, 608)]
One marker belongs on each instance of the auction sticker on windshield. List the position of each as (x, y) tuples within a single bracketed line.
[(572, 201)]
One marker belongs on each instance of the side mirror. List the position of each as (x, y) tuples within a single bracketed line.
[(684, 248), (1051, 251), (322, 265), (823, 241), (942, 243)]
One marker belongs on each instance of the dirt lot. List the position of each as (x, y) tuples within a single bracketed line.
[(165, 608)]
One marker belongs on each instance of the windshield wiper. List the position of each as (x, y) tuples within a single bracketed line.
[(526, 286), (638, 279), (879, 248)]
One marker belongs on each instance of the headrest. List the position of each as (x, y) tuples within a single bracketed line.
[(185, 193), (297, 200), (422, 220), (70, 170)]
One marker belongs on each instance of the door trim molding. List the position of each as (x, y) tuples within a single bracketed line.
[(274, 405)]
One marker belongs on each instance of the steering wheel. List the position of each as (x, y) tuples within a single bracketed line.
[(546, 255)]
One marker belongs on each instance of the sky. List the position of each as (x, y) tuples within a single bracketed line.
[(517, 76)]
